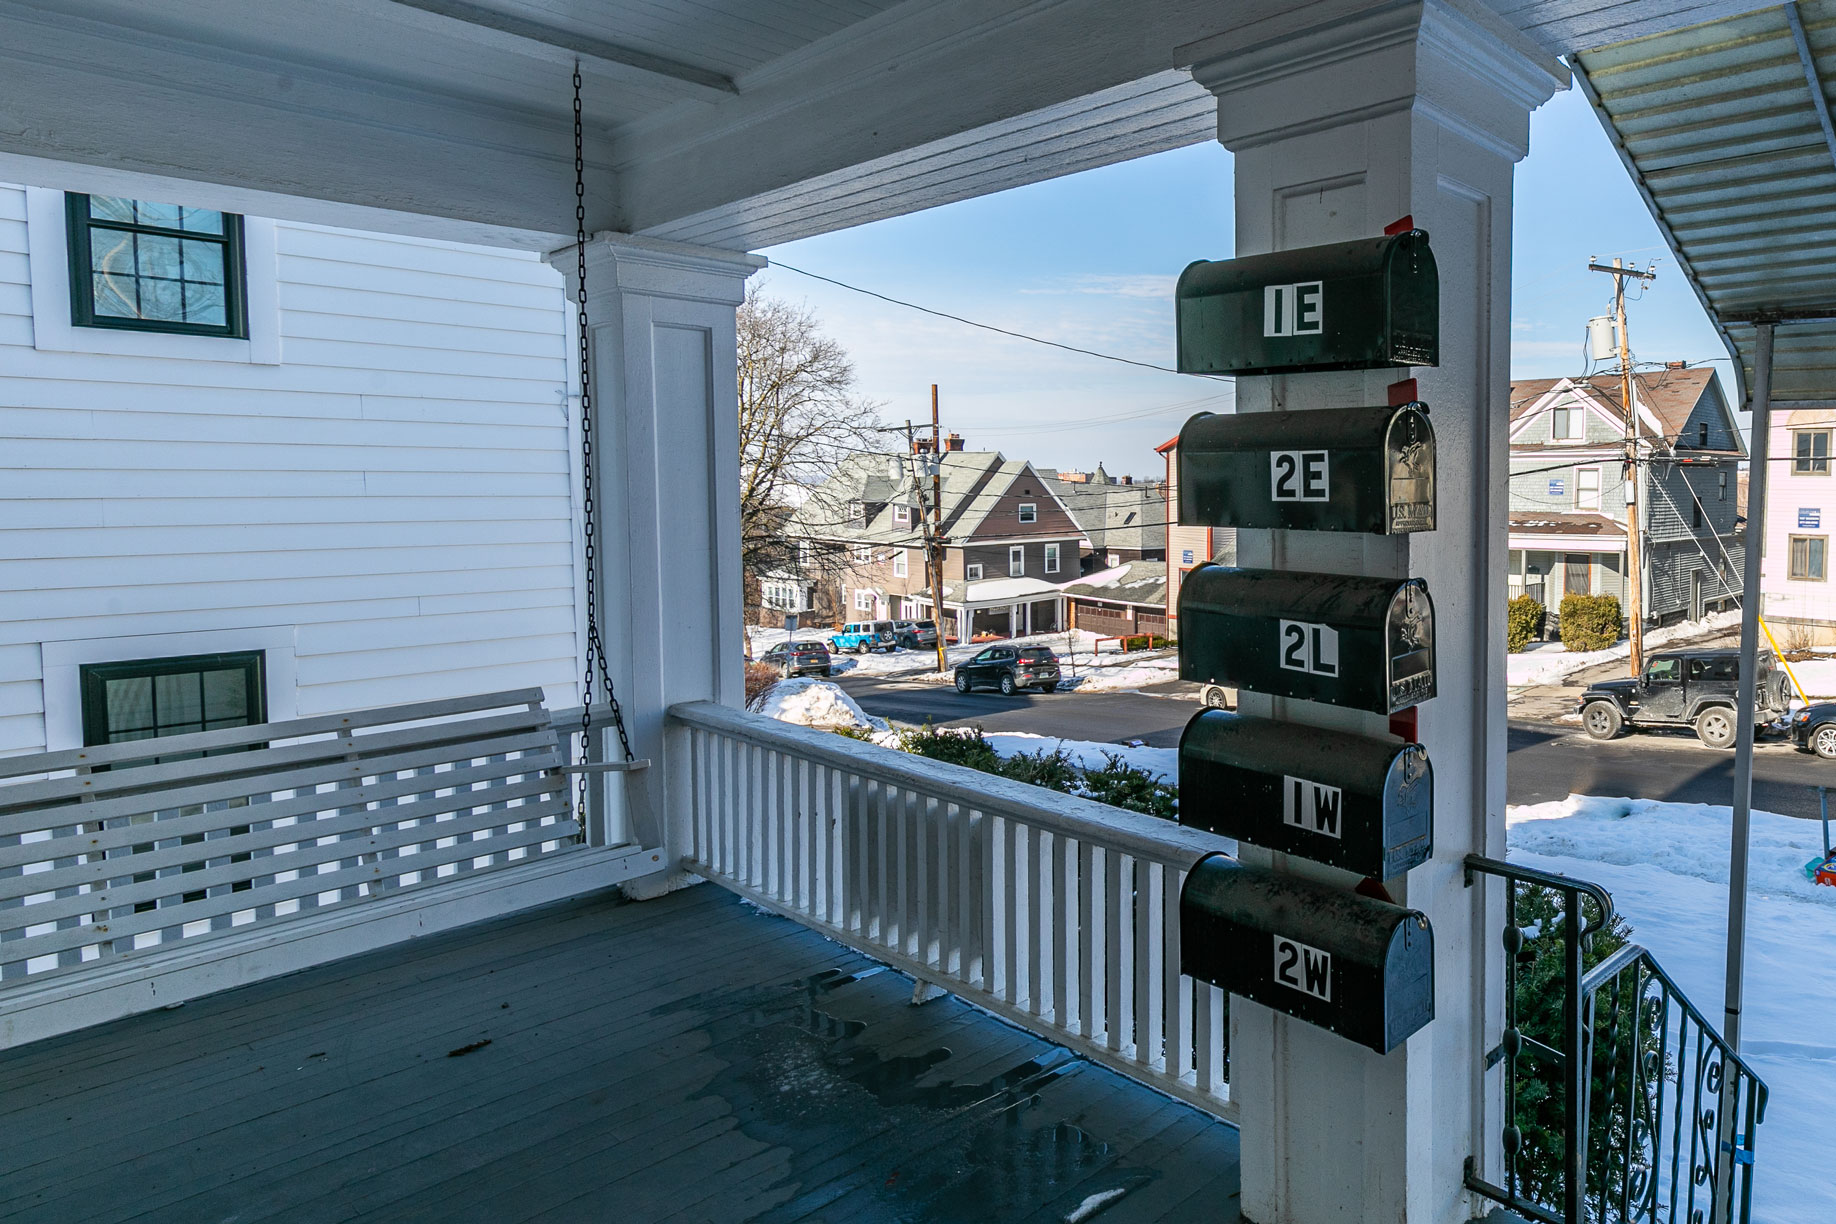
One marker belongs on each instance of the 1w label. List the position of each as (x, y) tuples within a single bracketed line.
[(1293, 310), (1307, 647), (1311, 805), (1298, 476), (1302, 968)]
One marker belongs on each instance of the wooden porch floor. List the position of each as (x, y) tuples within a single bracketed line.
[(687, 1059)]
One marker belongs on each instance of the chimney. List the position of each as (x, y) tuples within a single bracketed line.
[(921, 446), (1676, 365), (953, 441), (1128, 480)]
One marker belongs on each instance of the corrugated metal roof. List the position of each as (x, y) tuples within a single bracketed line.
[(1734, 149)]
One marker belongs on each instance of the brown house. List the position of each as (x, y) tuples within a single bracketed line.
[(1009, 543)]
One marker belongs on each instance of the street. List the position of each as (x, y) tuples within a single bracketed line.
[(1547, 760)]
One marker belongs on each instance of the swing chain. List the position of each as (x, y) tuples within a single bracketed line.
[(595, 648)]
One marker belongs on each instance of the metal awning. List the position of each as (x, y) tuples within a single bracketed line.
[(1726, 128)]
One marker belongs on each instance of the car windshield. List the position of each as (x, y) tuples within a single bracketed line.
[(1037, 654), (924, 624), (810, 648)]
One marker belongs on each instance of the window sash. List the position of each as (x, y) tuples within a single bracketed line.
[(1029, 512), (79, 227), (1811, 452), (1051, 558), (1016, 561), (1809, 558), (972, 573), (899, 564), (1587, 488), (178, 699)]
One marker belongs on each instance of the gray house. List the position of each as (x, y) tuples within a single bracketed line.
[(1124, 520), (1569, 490)]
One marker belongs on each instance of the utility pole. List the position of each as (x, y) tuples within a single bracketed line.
[(926, 533), (936, 552), (1632, 472)]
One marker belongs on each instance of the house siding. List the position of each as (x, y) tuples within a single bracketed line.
[(396, 493), (1802, 611)]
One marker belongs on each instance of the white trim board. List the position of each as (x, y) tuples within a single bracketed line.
[(48, 255), (63, 686)]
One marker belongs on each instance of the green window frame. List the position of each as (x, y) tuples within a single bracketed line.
[(148, 698), (137, 250)]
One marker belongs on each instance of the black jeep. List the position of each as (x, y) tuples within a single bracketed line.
[(1683, 688)]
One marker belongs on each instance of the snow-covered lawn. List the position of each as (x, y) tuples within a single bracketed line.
[(1551, 662), (1666, 865)]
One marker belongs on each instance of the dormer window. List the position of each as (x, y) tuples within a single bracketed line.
[(1568, 424), (1701, 435), (902, 515)]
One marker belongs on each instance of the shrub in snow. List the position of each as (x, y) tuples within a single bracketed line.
[(965, 747), (1589, 622), (1052, 769), (1122, 785), (1523, 623), (759, 677)]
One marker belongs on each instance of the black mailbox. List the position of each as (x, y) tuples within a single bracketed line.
[(1358, 967), (1347, 469), (1366, 805), (1366, 643), (1361, 305)]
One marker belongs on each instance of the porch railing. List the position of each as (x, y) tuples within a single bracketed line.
[(1054, 912), (115, 849), (1622, 1103)]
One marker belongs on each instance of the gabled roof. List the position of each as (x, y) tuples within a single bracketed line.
[(1666, 400), (973, 484), (1138, 582), (1538, 522), (1130, 516)]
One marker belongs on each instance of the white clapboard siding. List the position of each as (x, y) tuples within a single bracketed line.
[(394, 496)]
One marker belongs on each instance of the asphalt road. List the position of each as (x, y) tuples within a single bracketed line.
[(1547, 760)]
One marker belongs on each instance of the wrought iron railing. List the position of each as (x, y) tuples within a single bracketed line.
[(1622, 1104)]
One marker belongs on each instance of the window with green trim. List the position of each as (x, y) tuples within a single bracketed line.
[(153, 697), (142, 266)]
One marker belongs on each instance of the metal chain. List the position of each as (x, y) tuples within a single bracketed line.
[(595, 648)]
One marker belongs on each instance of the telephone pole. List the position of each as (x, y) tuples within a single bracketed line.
[(1635, 555), (935, 554)]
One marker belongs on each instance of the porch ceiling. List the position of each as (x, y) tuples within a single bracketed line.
[(1727, 127), (735, 123)]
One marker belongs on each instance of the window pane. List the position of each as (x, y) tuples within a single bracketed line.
[(226, 694), (1816, 557), (111, 208), (200, 221), (179, 699), (202, 262), (157, 256), (130, 705)]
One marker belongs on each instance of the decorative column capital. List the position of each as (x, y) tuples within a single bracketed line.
[(654, 267), (1453, 60)]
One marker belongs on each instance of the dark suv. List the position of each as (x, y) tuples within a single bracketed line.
[(1009, 668), (916, 634), (1683, 688), (799, 659)]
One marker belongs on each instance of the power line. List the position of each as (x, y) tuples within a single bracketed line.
[(1003, 331)]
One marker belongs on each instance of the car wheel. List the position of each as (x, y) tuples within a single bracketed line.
[(1715, 727), (1007, 686), (1602, 720), (1823, 742), (1214, 697), (1049, 688), (784, 671), (962, 683), (828, 671)]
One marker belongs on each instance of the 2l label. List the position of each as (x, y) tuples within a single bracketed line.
[(1303, 968), (1312, 806), (1293, 310), (1298, 476), (1307, 647)]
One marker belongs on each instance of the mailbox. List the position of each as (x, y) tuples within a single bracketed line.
[(1355, 966), (1366, 805), (1366, 643), (1347, 469), (1361, 305)]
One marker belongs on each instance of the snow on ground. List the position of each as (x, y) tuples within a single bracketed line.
[(1084, 670), (1088, 754), (1817, 677), (814, 703), (1549, 662), (1666, 866)]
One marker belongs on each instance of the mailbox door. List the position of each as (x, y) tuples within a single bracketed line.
[(1410, 647), (1409, 460)]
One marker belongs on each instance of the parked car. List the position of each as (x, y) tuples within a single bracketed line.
[(856, 636), (1813, 729), (916, 634), (799, 659), (1010, 669), (1682, 688), (1216, 697)]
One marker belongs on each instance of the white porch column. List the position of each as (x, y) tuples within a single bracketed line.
[(666, 489), (1339, 130)]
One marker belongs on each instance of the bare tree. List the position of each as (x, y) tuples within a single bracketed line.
[(799, 418)]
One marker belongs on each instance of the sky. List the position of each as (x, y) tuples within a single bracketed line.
[(1090, 260)]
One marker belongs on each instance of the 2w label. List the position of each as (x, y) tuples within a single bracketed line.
[(1293, 310), (1301, 476), (1307, 647), (1312, 806), (1303, 968)]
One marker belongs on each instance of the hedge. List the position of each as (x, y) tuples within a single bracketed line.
[(1523, 623), (1589, 622)]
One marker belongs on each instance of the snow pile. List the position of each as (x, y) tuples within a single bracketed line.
[(1551, 662), (1088, 754), (1817, 676), (815, 703), (1666, 865)]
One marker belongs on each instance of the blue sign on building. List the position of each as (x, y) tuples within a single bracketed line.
[(1185, 556), (1810, 516), (1557, 486)]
